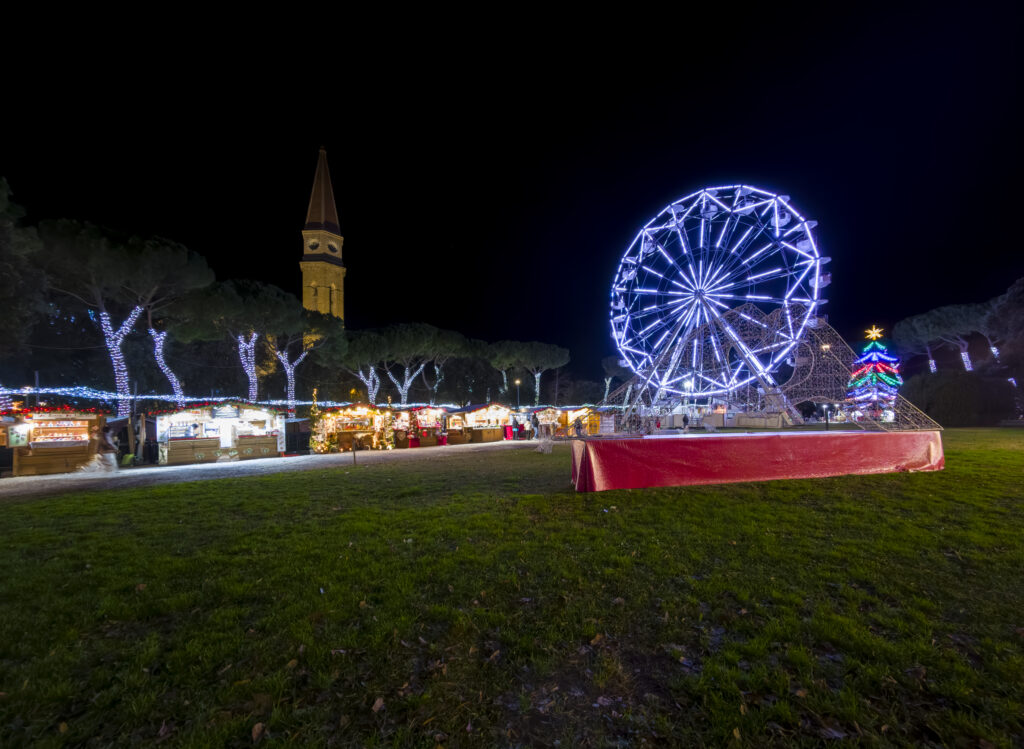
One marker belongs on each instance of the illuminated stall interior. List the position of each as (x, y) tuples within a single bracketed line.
[(52, 441), (225, 431), (429, 420), (590, 420), (358, 425), (480, 423)]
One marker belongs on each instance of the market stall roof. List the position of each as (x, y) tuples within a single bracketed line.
[(419, 408), (216, 404), (477, 407), (332, 409), (57, 410)]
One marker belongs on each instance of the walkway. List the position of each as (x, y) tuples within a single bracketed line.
[(134, 478)]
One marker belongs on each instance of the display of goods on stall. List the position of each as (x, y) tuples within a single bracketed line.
[(357, 426), (548, 420), (419, 426), (219, 432), (581, 421), (52, 440), (478, 423)]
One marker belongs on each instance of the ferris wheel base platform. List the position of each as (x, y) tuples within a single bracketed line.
[(691, 459)]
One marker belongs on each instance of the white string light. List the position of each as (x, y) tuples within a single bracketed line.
[(403, 388), (247, 354), (158, 351), (289, 371), (967, 361), (114, 341)]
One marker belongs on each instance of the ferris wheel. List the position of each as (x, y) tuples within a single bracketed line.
[(716, 291)]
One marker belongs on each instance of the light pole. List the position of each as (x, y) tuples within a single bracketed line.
[(517, 394)]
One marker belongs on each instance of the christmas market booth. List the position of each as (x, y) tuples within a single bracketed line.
[(219, 432), (58, 440), (420, 426), (589, 421), (478, 423), (359, 426), (549, 420)]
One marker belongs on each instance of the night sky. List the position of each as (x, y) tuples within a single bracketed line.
[(491, 186)]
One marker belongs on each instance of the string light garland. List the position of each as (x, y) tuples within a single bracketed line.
[(247, 354), (875, 379), (372, 381), (289, 371), (403, 387), (158, 351), (931, 366), (113, 341), (967, 361)]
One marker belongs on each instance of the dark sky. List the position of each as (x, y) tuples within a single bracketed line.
[(491, 186)]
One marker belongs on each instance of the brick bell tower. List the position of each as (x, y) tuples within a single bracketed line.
[(323, 272)]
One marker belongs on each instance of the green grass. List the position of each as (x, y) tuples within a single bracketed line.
[(486, 604)]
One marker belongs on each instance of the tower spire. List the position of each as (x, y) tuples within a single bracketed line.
[(323, 271), (322, 213)]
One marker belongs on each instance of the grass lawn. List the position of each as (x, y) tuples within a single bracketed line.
[(479, 602)]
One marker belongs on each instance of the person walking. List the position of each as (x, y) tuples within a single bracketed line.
[(686, 422), (535, 423), (107, 451)]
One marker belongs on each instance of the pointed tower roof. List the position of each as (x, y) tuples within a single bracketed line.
[(322, 212)]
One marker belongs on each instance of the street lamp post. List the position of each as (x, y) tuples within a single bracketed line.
[(517, 394)]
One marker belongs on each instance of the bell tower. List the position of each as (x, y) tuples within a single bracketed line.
[(323, 272)]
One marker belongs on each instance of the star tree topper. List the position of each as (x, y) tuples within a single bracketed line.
[(874, 333)]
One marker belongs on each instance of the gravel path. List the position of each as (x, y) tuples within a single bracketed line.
[(64, 483)]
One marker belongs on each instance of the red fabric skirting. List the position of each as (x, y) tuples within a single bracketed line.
[(602, 464)]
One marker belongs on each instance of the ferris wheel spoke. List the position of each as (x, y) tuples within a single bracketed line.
[(713, 293)]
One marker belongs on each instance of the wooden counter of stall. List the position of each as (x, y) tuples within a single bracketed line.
[(221, 432), (429, 430), (478, 423), (54, 441)]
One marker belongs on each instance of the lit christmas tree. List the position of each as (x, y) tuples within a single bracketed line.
[(875, 377)]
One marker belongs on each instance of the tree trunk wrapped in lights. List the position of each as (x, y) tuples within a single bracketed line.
[(159, 340), (113, 341), (408, 376), (289, 371), (247, 355)]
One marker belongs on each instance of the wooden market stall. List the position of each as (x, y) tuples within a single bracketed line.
[(359, 426), (46, 441), (429, 431), (548, 420), (589, 418), (222, 431), (478, 423)]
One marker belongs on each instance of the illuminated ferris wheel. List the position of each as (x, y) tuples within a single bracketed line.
[(716, 291)]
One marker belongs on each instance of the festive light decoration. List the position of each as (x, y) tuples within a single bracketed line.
[(690, 288), (114, 341), (995, 352), (289, 371), (875, 378), (371, 380), (247, 355), (967, 361), (874, 333), (159, 339), (931, 366), (403, 387)]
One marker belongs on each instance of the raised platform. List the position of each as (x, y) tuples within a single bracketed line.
[(635, 463)]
